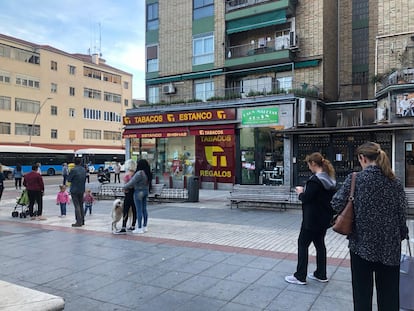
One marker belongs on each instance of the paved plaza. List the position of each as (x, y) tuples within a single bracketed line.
[(195, 256)]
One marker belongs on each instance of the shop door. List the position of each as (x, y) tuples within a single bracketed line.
[(409, 164)]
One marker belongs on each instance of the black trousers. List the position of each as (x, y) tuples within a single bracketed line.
[(129, 203), (306, 237), (387, 284), (35, 197), (77, 200)]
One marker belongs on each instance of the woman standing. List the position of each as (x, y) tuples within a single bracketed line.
[(378, 229), (316, 217), (2, 178), (18, 175), (141, 182)]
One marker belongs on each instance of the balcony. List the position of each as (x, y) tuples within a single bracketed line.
[(260, 53), (233, 5), (393, 78)]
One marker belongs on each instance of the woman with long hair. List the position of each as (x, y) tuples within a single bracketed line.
[(141, 182), (379, 227), (316, 216)]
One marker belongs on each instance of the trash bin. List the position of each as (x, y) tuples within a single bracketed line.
[(193, 188)]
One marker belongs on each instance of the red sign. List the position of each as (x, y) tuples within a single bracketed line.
[(181, 117), (215, 158)]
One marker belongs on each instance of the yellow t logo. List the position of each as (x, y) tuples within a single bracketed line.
[(212, 159)]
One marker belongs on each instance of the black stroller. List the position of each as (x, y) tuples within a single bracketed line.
[(22, 205), (104, 176)]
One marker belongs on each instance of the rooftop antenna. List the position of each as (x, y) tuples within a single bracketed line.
[(97, 44)]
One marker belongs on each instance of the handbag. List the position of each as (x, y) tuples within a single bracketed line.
[(342, 222), (407, 280)]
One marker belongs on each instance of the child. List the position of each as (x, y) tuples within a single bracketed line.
[(62, 199), (88, 199)]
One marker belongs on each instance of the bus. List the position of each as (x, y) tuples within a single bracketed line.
[(100, 159), (51, 160)]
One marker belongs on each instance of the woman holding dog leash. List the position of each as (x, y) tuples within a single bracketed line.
[(141, 182), (130, 167)]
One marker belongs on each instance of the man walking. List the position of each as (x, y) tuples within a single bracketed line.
[(77, 179), (35, 187)]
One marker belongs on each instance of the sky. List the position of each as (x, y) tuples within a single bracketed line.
[(114, 28)]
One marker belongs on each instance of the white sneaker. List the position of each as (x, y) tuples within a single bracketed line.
[(145, 229), (138, 230), (293, 280), (312, 277)]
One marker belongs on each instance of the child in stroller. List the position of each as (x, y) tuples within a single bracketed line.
[(22, 203)]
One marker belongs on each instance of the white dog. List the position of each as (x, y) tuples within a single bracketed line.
[(117, 213)]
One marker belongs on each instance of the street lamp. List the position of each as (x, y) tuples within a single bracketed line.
[(35, 118)]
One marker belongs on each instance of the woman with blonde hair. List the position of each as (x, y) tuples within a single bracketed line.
[(379, 227), (316, 216)]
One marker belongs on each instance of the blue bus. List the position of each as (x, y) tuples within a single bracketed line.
[(51, 160)]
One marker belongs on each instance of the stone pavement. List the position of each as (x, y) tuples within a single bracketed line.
[(195, 256)]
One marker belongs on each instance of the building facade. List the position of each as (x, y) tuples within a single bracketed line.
[(241, 91), (54, 99)]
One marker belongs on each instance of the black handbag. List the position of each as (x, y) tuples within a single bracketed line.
[(407, 279)]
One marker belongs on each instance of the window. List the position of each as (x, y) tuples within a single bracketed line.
[(126, 85), (27, 81), (72, 112), (53, 134), (152, 16), (126, 103), (154, 95), (112, 116), (53, 88), (111, 97), (5, 103), (27, 57), (5, 51), (53, 110), (53, 65), (26, 105), (203, 49), (91, 93), (91, 134), (285, 83), (4, 77), (204, 90), (203, 8), (71, 91), (152, 58), (72, 70), (110, 135), (5, 128), (91, 114), (27, 129)]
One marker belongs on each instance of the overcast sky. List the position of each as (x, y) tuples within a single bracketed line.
[(116, 28)]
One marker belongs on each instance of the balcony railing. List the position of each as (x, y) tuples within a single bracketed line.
[(400, 76), (238, 93), (238, 4), (268, 45)]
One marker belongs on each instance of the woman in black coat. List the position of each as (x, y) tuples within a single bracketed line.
[(316, 216)]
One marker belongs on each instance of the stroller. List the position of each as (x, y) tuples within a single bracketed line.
[(22, 204), (104, 176)]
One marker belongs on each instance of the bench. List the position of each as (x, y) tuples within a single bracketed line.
[(409, 192), (262, 195)]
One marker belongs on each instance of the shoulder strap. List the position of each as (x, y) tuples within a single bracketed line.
[(351, 193)]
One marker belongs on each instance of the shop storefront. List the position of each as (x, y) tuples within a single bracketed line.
[(183, 144)]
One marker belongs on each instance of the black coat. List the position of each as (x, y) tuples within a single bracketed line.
[(316, 207)]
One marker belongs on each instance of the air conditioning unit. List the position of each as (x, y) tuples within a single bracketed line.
[(168, 89), (307, 112), (293, 40)]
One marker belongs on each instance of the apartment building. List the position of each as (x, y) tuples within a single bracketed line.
[(240, 91), (54, 99)]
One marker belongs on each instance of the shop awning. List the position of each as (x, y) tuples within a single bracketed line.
[(256, 21), (203, 130), (156, 132), (168, 132)]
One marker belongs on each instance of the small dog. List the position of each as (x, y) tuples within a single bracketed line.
[(117, 213)]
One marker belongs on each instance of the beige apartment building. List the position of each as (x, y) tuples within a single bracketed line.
[(54, 99), (240, 91)]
